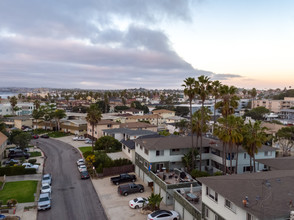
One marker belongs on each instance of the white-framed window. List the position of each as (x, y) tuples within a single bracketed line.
[(211, 194), (159, 152), (141, 148), (245, 155), (249, 217), (206, 212), (146, 164), (124, 146), (267, 153), (129, 151), (230, 205)]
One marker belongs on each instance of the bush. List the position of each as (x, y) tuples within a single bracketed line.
[(197, 173), (87, 153), (35, 154), (121, 162), (218, 173), (32, 161), (16, 170)]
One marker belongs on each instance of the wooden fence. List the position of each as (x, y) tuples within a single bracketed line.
[(111, 171)]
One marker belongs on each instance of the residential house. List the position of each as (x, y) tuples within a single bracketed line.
[(132, 111), (24, 108), (164, 113), (139, 126), (102, 125), (274, 105), (153, 119), (3, 144), (19, 121), (252, 196), (77, 127)]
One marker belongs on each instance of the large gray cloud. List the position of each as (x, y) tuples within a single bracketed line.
[(43, 43)]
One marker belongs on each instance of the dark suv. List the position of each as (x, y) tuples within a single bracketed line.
[(18, 154)]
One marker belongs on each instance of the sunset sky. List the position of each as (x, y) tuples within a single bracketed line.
[(117, 44)]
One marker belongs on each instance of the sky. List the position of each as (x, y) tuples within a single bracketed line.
[(153, 44)]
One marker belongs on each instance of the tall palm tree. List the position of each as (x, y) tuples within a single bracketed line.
[(203, 89), (37, 104), (58, 115), (94, 115), (13, 103), (216, 93), (198, 128), (189, 90), (254, 137), (227, 106), (253, 94)]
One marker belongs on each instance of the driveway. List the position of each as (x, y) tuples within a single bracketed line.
[(72, 198), (117, 206)]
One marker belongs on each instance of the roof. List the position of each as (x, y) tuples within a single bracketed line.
[(132, 110), (158, 111), (287, 110), (77, 122), (269, 193), (129, 143), (136, 125), (106, 122), (145, 117), (128, 131), (279, 163), (3, 138)]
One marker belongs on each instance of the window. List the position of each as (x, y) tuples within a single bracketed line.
[(146, 151), (249, 217), (230, 205), (159, 153), (141, 161), (141, 148), (212, 194), (146, 164), (109, 125), (206, 212), (244, 155), (267, 153), (129, 151), (124, 146), (175, 150)]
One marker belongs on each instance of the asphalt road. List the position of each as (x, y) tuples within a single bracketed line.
[(72, 198)]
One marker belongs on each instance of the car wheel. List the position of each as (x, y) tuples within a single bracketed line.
[(125, 194), (141, 190), (175, 219), (136, 207), (117, 183)]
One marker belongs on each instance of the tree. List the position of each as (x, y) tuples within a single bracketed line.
[(154, 201), (254, 137), (285, 138), (183, 126), (13, 103), (37, 114), (37, 104), (216, 85), (253, 94), (3, 128), (108, 144), (58, 115), (20, 138), (182, 111), (257, 113), (187, 159), (93, 117), (103, 106), (164, 133), (203, 89), (189, 90)]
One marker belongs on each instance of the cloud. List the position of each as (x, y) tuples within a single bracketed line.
[(93, 44)]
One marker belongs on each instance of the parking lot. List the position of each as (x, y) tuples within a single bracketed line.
[(117, 206)]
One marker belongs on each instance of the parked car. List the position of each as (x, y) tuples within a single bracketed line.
[(18, 154), (44, 136), (44, 201), (35, 136), (46, 188), (85, 175), (82, 168), (122, 178), (138, 202), (29, 165), (79, 138), (130, 188), (80, 162), (163, 215), (11, 162), (88, 141), (47, 179), (27, 129), (18, 149)]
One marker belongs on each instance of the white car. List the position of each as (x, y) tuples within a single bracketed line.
[(138, 202), (163, 215), (80, 162), (79, 138), (82, 168), (44, 201), (46, 188), (29, 165), (47, 179)]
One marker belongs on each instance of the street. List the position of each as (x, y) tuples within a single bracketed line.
[(72, 198)]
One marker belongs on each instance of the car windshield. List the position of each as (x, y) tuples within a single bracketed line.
[(46, 187), (46, 178), (44, 199), (85, 173), (159, 212), (135, 200)]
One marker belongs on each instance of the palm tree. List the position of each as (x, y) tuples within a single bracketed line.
[(13, 103), (203, 89), (253, 94), (37, 114), (254, 137), (189, 91), (59, 114), (198, 128), (154, 201), (93, 117), (37, 104), (216, 93)]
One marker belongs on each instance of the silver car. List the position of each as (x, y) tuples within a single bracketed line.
[(47, 178), (44, 201)]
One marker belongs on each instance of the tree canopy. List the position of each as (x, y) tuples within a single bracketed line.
[(257, 113), (108, 144)]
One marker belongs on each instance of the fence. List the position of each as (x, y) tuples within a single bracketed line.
[(118, 170)]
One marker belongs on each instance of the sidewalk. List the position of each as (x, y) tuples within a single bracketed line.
[(29, 214), (23, 177)]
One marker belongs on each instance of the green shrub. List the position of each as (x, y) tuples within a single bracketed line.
[(197, 173), (99, 169), (32, 161), (35, 154), (16, 170), (87, 153), (218, 173)]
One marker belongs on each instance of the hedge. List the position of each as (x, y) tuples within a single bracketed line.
[(16, 170)]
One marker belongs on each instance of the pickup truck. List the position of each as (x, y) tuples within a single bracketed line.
[(29, 165), (122, 178), (130, 188)]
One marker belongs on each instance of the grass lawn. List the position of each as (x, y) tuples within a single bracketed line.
[(57, 134), (22, 191), (84, 149), (35, 154)]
